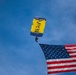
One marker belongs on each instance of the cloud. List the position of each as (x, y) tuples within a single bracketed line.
[(61, 23), (13, 61), (20, 55)]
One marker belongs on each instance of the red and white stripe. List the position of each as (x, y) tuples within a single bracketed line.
[(63, 65), (71, 49)]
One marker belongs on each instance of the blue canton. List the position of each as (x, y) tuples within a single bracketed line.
[(54, 51)]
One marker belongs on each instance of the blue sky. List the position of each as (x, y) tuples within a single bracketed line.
[(19, 53)]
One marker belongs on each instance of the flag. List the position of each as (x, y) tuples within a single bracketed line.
[(60, 58)]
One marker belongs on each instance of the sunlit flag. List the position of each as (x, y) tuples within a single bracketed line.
[(60, 58)]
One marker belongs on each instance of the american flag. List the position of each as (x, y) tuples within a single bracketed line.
[(60, 58)]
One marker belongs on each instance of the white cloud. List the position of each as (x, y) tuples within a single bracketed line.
[(61, 23)]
